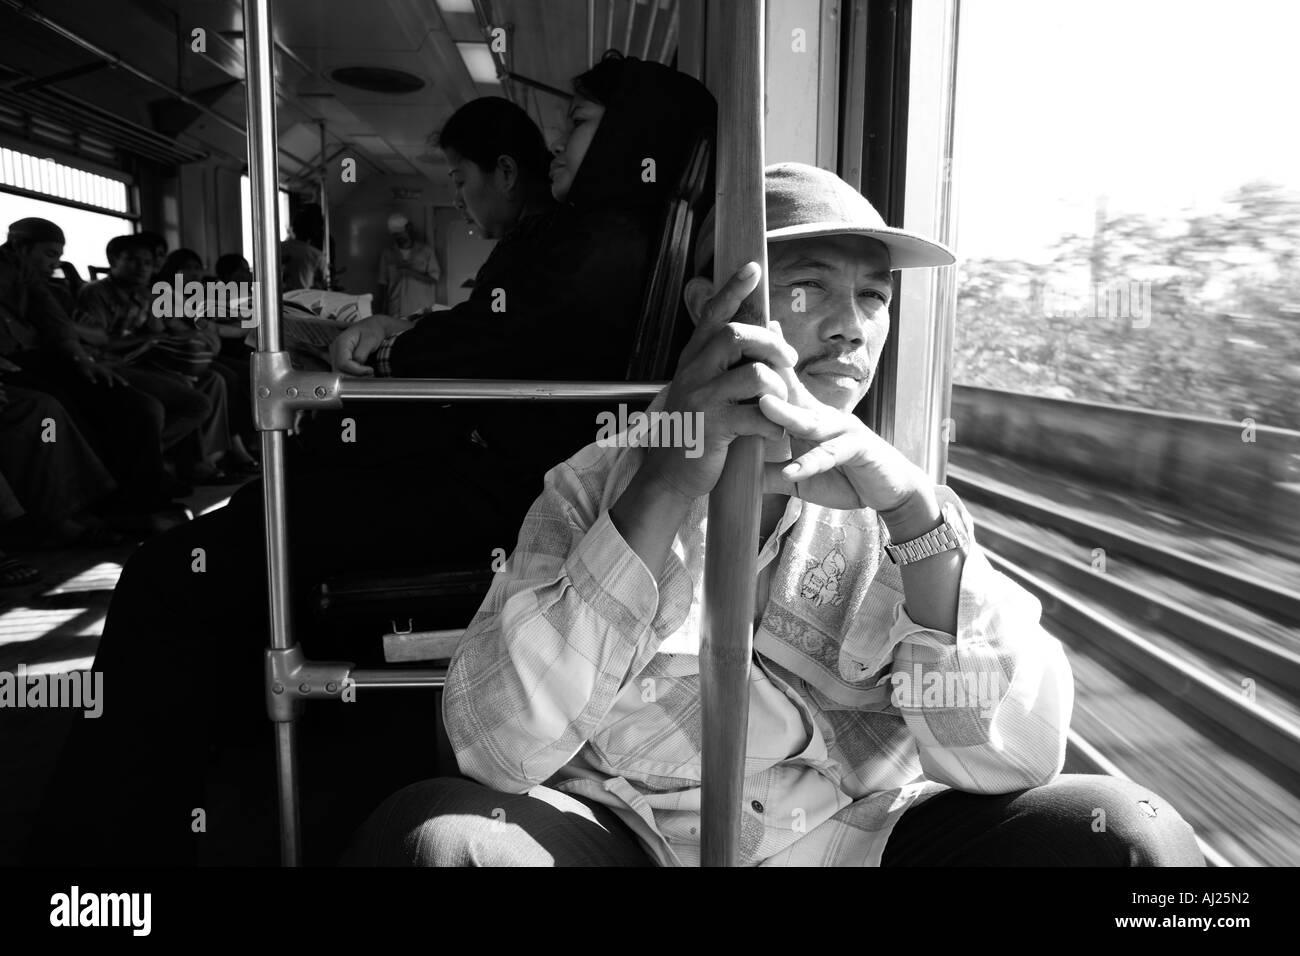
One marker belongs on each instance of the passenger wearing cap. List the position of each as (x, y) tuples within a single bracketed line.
[(123, 424), (408, 272), (573, 700)]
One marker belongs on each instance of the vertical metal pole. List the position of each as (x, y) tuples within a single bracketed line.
[(631, 23), (731, 557), (325, 208), (264, 179), (591, 33), (650, 29)]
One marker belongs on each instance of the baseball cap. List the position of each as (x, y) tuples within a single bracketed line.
[(397, 222), (804, 202)]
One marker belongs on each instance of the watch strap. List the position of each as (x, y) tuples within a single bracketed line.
[(949, 536)]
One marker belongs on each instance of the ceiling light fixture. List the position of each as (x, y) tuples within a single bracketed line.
[(479, 61)]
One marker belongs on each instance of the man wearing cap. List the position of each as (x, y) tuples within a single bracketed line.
[(122, 423), (408, 272), (906, 706)]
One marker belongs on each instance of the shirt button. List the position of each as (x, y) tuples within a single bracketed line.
[(757, 807)]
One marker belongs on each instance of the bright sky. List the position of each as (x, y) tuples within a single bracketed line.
[(1161, 105)]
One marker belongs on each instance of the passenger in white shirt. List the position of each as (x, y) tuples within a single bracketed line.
[(408, 272)]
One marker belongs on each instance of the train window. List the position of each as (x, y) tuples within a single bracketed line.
[(1125, 370), (1128, 231), (37, 186), (246, 216)]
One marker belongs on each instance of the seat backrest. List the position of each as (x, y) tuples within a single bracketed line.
[(662, 309)]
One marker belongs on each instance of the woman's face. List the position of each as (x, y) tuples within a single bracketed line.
[(583, 121), (485, 199)]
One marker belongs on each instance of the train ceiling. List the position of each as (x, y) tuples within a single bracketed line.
[(192, 103)]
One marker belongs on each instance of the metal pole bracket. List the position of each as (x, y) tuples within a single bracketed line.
[(291, 678), (280, 391)]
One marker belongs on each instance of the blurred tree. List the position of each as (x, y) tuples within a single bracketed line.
[(1218, 336)]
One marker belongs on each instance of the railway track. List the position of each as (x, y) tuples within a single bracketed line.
[(1187, 671)]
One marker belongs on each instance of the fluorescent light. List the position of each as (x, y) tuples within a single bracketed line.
[(479, 61), (457, 6)]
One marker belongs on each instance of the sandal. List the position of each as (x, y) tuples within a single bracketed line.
[(15, 573)]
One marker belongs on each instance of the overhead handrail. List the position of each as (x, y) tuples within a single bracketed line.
[(731, 556)]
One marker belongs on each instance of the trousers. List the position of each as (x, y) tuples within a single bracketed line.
[(457, 822)]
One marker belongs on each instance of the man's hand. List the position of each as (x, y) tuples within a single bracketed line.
[(353, 346), (101, 375), (838, 461), (724, 367)]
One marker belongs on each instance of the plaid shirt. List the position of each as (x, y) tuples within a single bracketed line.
[(581, 671)]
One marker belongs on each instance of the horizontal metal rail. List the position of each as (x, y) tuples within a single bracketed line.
[(1269, 598), (468, 389), (1250, 651), (1276, 738), (384, 677)]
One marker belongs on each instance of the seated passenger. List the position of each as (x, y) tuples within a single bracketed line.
[(232, 267), (235, 366), (572, 281), (573, 701), (122, 423), (220, 440), (53, 474), (302, 265), (116, 319)]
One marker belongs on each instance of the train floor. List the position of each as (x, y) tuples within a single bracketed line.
[(54, 626), (1184, 637)]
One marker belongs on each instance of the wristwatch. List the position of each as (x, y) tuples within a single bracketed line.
[(947, 537)]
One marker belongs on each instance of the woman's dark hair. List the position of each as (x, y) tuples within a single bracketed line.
[(178, 260), (484, 129), (308, 224), (228, 265), (601, 82), (651, 112)]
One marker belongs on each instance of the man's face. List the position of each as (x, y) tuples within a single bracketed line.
[(43, 257), (401, 239), (583, 121), (831, 296), (134, 266), (483, 198)]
